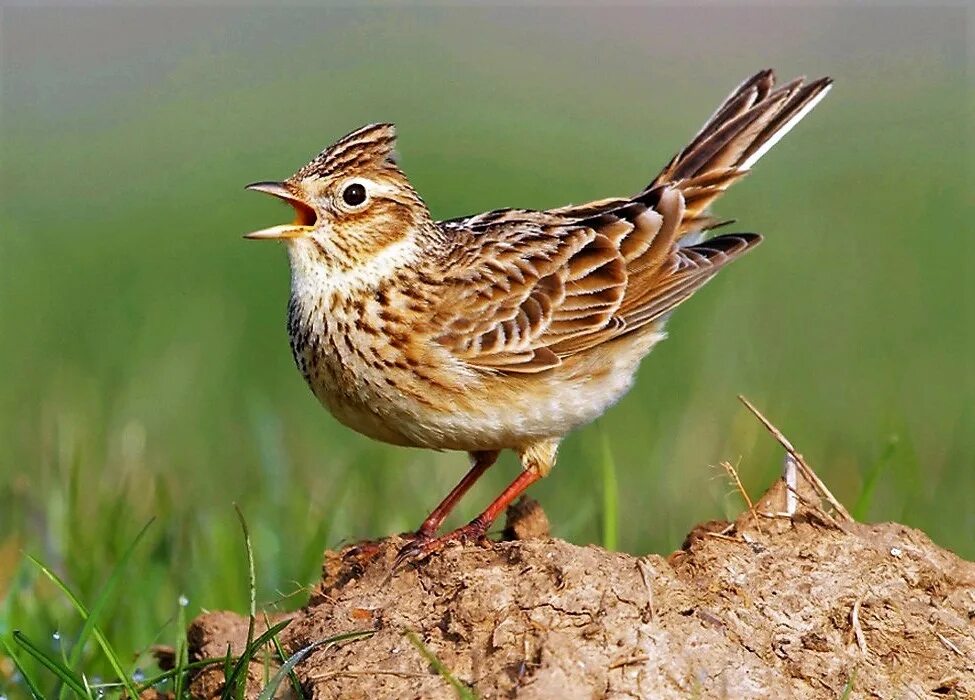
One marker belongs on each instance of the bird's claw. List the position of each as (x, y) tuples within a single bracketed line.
[(423, 546)]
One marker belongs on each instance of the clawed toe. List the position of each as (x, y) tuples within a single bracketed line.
[(421, 547)]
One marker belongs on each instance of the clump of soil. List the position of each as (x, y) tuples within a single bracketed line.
[(806, 605)]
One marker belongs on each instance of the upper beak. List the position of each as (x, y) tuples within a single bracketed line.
[(305, 216)]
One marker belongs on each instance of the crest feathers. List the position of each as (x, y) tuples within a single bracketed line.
[(370, 145)]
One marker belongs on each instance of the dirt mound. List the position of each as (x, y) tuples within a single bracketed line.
[(803, 606)]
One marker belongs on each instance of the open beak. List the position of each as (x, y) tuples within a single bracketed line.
[(305, 216)]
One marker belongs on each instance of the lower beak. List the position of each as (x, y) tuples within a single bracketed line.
[(305, 216)]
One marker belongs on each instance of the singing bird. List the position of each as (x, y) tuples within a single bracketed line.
[(511, 328)]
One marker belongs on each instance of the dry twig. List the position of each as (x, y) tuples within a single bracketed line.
[(948, 643), (629, 662), (647, 578), (790, 473), (800, 461), (857, 629)]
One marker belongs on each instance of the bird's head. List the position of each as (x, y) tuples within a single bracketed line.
[(354, 208)]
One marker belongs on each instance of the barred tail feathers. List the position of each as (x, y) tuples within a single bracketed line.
[(742, 130)]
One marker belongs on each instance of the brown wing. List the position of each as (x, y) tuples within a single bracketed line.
[(522, 286), (526, 289)]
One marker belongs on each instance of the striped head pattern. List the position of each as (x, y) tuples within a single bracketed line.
[(356, 212)]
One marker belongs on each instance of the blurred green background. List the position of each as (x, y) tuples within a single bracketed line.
[(145, 367)]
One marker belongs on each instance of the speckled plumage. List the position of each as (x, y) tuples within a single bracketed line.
[(508, 329)]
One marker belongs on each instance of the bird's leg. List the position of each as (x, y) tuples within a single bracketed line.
[(476, 529), (481, 461), (537, 461)]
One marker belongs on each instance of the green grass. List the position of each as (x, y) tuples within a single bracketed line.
[(145, 365), (610, 491), (848, 688), (67, 676)]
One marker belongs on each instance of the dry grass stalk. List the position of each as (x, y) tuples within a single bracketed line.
[(800, 461), (733, 473)]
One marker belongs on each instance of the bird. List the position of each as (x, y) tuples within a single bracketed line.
[(509, 329)]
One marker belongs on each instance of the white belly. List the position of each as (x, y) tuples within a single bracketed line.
[(528, 409)]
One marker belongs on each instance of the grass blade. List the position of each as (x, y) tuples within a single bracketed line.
[(848, 689), (251, 573), (103, 598), (181, 651), (288, 668), (31, 684), (53, 665), (235, 677), (862, 507), (462, 690), (295, 685), (173, 673), (228, 669), (239, 689), (93, 628), (610, 496)]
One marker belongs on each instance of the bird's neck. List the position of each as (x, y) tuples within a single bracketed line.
[(315, 273)]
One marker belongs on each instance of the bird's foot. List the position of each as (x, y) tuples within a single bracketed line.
[(364, 551), (425, 544)]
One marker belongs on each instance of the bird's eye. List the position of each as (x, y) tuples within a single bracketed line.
[(354, 194)]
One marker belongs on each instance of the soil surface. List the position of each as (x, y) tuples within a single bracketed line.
[(810, 605)]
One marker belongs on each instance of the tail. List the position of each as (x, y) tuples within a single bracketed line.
[(742, 130)]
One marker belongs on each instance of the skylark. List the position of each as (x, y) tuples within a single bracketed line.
[(511, 328)]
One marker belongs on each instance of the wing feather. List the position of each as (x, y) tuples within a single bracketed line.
[(536, 287), (524, 289)]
